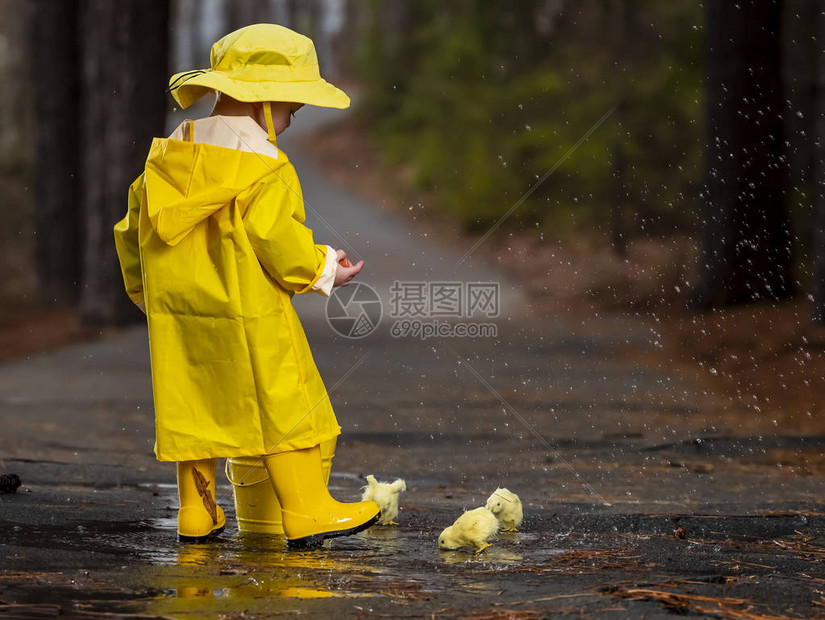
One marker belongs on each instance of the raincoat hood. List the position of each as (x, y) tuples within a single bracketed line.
[(186, 182)]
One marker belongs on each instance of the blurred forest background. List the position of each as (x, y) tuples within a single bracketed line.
[(618, 122)]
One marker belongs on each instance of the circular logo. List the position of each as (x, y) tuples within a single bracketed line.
[(354, 311)]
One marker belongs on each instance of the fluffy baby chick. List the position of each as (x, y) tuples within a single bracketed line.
[(385, 494), (507, 507), (472, 529)]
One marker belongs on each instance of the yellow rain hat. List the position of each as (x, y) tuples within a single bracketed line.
[(262, 62)]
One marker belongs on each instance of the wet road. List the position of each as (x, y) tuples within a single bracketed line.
[(642, 497)]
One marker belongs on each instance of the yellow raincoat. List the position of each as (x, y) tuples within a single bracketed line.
[(214, 244)]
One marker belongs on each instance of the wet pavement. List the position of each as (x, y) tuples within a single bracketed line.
[(643, 495)]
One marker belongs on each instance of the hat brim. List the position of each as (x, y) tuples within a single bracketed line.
[(313, 92)]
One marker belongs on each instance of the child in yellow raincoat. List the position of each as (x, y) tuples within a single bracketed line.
[(213, 247)]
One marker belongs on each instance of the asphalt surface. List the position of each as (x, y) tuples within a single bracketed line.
[(643, 497)]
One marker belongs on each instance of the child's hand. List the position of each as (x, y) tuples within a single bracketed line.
[(346, 271)]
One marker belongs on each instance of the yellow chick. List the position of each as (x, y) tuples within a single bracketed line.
[(385, 494), (507, 507), (473, 529)]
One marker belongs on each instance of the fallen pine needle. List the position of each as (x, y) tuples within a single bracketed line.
[(738, 563), (809, 578), (548, 598), (693, 603), (509, 614)]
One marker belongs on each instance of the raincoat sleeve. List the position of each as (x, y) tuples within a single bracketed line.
[(127, 244), (324, 284), (273, 219)]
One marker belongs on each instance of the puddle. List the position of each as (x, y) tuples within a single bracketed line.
[(393, 571), (399, 562)]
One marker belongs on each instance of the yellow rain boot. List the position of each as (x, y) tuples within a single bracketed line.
[(256, 505), (199, 516), (309, 512), (327, 454)]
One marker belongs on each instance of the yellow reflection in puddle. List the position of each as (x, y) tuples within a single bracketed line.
[(195, 555), (193, 592), (209, 577), (299, 592), (510, 537), (492, 555), (385, 534)]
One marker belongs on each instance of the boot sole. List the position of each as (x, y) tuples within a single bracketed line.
[(316, 540), (200, 539)]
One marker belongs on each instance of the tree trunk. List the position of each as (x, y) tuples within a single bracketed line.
[(746, 249), (56, 82), (818, 288), (621, 44), (345, 43), (242, 13), (124, 59)]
